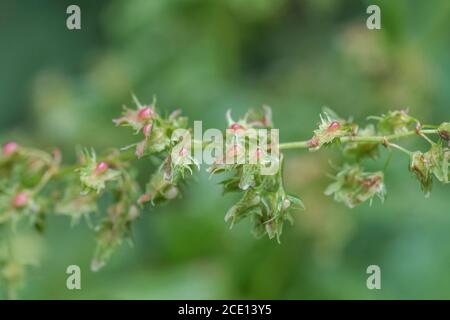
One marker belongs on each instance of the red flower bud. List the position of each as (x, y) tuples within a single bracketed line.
[(9, 148), (101, 168), (145, 113), (20, 200), (334, 126), (236, 126)]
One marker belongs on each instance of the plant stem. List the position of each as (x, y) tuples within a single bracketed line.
[(359, 139), (396, 146), (294, 145)]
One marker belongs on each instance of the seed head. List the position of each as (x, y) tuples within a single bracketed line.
[(101, 168)]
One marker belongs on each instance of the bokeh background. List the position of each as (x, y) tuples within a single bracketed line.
[(62, 88)]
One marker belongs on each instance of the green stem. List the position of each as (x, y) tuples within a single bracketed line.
[(294, 145), (358, 139), (396, 146)]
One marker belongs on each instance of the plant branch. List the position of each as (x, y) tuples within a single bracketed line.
[(359, 139)]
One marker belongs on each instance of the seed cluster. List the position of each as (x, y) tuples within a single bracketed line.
[(34, 183)]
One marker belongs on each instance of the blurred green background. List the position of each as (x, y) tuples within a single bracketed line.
[(62, 88)]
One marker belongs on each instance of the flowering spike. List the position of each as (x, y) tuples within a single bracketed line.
[(264, 200)]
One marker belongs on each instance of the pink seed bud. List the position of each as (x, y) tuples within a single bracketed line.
[(9, 148), (147, 130), (314, 142), (145, 113), (20, 200), (183, 152), (101, 168), (334, 126), (236, 126)]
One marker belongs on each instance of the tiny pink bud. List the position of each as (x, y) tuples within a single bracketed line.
[(20, 200), (9, 148), (147, 130), (235, 126), (334, 126), (314, 142), (145, 113), (101, 168), (183, 152)]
